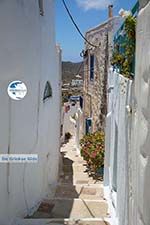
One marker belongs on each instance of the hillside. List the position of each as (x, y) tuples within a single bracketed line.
[(70, 70)]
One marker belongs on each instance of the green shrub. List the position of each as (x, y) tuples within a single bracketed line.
[(92, 150), (124, 53)]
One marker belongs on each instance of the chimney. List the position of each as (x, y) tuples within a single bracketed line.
[(110, 11)]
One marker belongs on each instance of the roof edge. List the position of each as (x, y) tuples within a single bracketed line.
[(102, 24)]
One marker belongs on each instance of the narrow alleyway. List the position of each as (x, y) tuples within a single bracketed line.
[(78, 199)]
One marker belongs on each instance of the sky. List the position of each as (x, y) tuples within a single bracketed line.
[(87, 14)]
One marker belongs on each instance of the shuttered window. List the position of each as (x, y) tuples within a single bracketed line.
[(91, 67)]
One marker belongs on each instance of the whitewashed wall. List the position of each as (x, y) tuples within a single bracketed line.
[(79, 128), (140, 170), (68, 122), (73, 123), (28, 53), (117, 145), (132, 205)]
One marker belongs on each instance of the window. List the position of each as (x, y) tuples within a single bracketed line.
[(88, 125), (47, 91), (91, 67), (41, 7)]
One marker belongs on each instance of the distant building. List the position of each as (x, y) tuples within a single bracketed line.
[(96, 62), (74, 98), (77, 83), (66, 85)]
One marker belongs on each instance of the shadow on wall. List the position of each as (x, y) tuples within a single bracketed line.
[(61, 205)]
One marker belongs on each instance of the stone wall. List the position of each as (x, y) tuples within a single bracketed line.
[(95, 96)]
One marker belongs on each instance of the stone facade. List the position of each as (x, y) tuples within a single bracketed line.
[(95, 97)]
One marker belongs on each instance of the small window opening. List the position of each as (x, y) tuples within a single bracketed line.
[(41, 7), (91, 67), (47, 91)]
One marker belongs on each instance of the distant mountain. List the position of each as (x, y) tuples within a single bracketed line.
[(70, 70)]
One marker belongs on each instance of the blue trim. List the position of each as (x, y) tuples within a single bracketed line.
[(134, 12), (88, 125), (92, 67)]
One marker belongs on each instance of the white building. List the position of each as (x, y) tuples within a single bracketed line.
[(77, 82), (127, 158), (31, 125)]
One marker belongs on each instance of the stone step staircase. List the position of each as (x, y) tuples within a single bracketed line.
[(78, 200), (87, 221), (72, 208)]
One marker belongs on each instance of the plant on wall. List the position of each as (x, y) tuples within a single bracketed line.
[(124, 50), (92, 150)]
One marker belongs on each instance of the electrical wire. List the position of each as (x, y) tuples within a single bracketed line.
[(76, 26)]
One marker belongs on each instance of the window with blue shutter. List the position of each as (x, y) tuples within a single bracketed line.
[(88, 125), (91, 67)]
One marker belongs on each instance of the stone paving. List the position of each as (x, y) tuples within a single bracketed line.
[(79, 199)]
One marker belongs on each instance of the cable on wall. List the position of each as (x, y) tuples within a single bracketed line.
[(76, 26)]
